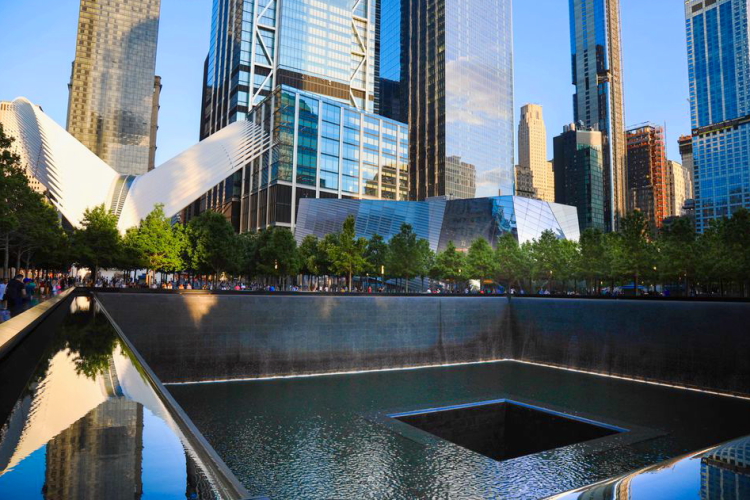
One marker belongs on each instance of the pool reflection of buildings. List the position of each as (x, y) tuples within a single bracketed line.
[(725, 472), (99, 456)]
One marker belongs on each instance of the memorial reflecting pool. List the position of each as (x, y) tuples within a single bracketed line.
[(334, 436), (89, 425)]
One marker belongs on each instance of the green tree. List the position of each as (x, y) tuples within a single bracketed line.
[(636, 255), (212, 244), (97, 244), (450, 264), (278, 253), (248, 247), (160, 244), (677, 252), (308, 256), (404, 257), (377, 254), (735, 235), (546, 253), (481, 261), (426, 259), (347, 255), (14, 193), (593, 262), (510, 260)]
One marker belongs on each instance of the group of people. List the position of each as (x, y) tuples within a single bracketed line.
[(20, 293)]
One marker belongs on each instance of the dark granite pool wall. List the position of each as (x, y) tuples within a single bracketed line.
[(208, 337), (690, 343)]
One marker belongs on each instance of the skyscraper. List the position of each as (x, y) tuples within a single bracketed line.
[(681, 187), (598, 101), (685, 143), (579, 170), (718, 46), (649, 177), (532, 152), (323, 47), (113, 92), (459, 79)]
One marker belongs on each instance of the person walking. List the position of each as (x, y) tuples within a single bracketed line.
[(3, 286), (14, 294)]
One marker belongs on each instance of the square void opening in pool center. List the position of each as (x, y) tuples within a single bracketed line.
[(504, 429)]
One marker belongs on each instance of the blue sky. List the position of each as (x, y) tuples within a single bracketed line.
[(41, 37)]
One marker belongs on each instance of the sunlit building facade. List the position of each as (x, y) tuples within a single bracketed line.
[(649, 175), (598, 102), (718, 47), (458, 71), (532, 152), (113, 89), (681, 187)]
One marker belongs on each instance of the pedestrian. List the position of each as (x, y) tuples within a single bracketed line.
[(3, 286), (15, 293)]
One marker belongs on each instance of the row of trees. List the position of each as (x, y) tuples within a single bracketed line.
[(32, 237)]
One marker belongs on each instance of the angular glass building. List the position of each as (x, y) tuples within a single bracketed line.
[(598, 102), (114, 93), (440, 220), (321, 148), (458, 72), (719, 70)]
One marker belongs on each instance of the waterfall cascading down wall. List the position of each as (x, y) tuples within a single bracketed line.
[(213, 337)]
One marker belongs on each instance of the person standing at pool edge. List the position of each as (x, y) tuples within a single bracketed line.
[(15, 293)]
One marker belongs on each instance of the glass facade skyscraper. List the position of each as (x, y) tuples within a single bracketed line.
[(598, 102), (113, 90), (322, 47), (321, 148), (458, 71), (719, 72), (579, 174)]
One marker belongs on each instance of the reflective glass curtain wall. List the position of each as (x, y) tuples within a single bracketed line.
[(719, 72), (460, 89), (112, 84), (322, 149), (598, 101)]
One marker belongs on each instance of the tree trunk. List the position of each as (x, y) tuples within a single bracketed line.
[(406, 284)]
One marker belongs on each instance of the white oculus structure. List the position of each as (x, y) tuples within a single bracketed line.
[(76, 179)]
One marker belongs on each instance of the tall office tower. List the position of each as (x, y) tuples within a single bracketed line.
[(392, 39), (685, 143), (459, 74), (112, 88), (579, 174), (681, 186), (648, 173), (532, 151), (718, 42), (323, 47), (598, 101), (524, 182)]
